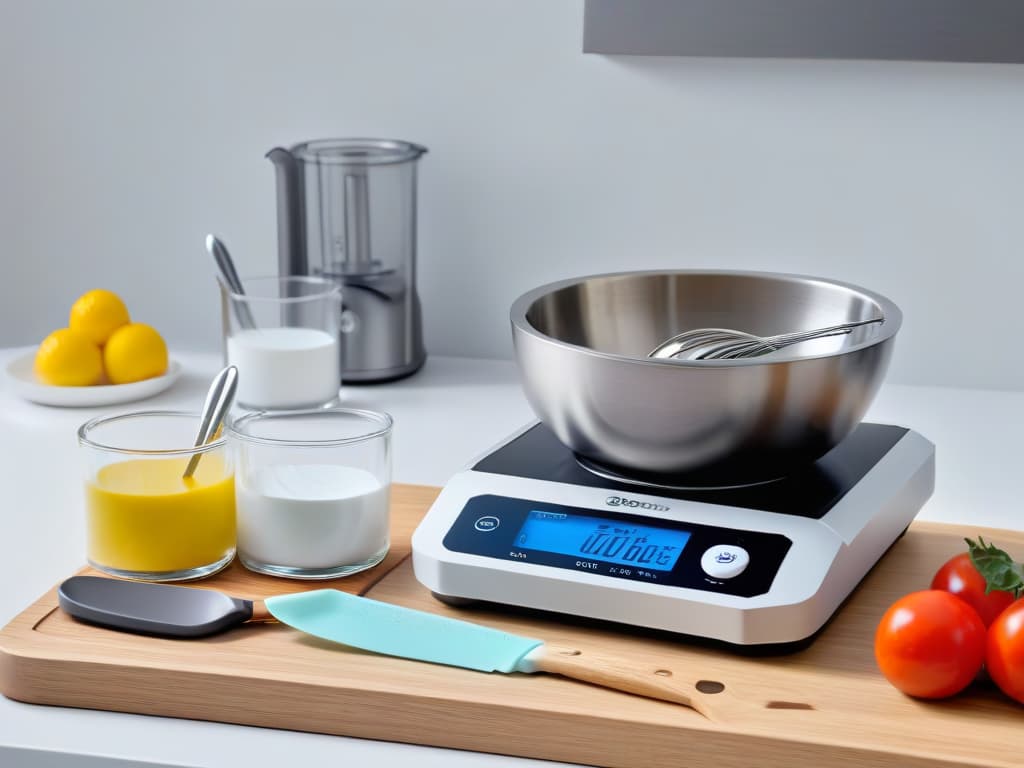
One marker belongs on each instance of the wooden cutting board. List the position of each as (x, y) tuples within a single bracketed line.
[(831, 706)]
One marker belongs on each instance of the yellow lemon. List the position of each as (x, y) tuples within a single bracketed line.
[(67, 358), (98, 314), (134, 352)]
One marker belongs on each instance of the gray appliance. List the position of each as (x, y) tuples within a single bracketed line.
[(346, 209)]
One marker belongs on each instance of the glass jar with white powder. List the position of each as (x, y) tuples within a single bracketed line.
[(312, 491), (283, 335)]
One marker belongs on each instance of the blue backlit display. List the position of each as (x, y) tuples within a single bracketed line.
[(594, 538)]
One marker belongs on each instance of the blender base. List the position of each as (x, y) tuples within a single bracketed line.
[(382, 375)]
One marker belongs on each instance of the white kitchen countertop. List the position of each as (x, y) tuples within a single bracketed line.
[(446, 415)]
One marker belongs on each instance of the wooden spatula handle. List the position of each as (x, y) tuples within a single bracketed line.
[(260, 612), (709, 697)]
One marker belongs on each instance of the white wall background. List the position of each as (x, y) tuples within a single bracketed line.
[(130, 129)]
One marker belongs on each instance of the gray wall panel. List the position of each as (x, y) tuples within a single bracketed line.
[(929, 30)]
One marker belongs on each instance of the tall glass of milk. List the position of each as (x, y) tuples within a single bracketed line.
[(312, 491), (283, 335)]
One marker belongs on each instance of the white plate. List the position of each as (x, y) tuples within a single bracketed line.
[(22, 380)]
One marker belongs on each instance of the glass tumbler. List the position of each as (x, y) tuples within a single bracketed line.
[(283, 335), (144, 519), (313, 490)]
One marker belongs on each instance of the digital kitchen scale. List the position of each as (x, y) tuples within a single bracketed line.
[(769, 563)]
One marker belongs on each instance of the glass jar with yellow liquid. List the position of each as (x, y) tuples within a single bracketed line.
[(144, 520)]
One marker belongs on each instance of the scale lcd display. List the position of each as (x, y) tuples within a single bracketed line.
[(594, 538)]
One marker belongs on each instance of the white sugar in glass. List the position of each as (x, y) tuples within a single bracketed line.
[(312, 491)]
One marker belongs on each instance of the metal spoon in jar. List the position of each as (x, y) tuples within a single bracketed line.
[(230, 277), (218, 400)]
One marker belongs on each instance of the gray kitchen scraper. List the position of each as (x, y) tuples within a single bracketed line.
[(154, 609)]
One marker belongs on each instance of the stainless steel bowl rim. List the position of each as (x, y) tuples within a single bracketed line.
[(891, 325)]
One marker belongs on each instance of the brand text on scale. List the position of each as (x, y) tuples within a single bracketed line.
[(622, 501)]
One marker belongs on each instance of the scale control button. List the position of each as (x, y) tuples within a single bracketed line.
[(724, 561), (487, 523)]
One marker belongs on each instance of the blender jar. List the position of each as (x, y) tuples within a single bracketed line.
[(347, 212)]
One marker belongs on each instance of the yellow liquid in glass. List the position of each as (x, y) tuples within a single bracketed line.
[(144, 517)]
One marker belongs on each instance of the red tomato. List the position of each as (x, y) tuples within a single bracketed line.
[(1004, 655), (960, 577), (930, 644)]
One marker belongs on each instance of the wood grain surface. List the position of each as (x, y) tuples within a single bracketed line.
[(826, 705)]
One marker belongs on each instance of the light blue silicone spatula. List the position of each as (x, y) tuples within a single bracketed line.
[(396, 631), (185, 612)]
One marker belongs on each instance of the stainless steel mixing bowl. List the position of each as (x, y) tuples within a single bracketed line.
[(582, 348)]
